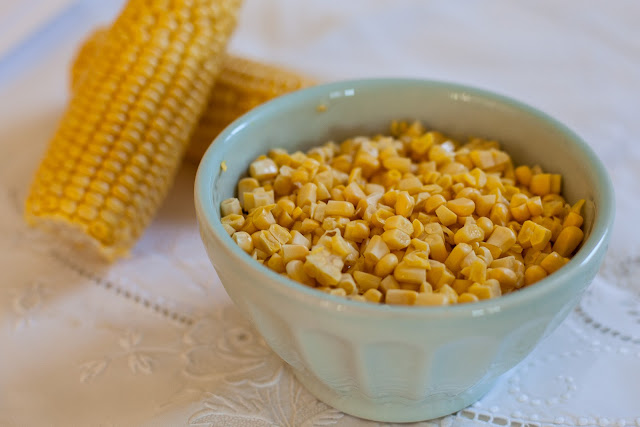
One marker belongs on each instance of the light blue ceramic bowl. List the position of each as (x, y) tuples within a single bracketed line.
[(391, 363)]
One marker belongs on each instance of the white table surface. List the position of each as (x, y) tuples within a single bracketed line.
[(154, 340)]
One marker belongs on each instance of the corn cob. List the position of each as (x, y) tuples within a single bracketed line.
[(242, 85), (86, 54), (130, 117)]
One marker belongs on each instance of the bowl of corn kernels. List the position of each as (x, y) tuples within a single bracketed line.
[(402, 243)]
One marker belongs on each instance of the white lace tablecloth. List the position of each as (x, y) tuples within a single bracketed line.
[(154, 340)]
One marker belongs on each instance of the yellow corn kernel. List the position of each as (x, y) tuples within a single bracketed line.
[(425, 287), (552, 262), (437, 247), (525, 234), (229, 229), (490, 289), (317, 211), (417, 228), (373, 295), (461, 206), (300, 176), (398, 222), (340, 208), (266, 242), (503, 238), (259, 255), (257, 198), (386, 265), (467, 297), (308, 225), (356, 231), (568, 240), (263, 169), (388, 282), (295, 271), (348, 283), (461, 285), (500, 214), (410, 184), (434, 202), (540, 237), (234, 220), (446, 216), (508, 278), (519, 209), (458, 253), (417, 259), (243, 240), (540, 184), (419, 245), (534, 204), (375, 249), (408, 274), (556, 183), (482, 159), (420, 145), (533, 274), (338, 292), (276, 263), (293, 252), (404, 204), (396, 239), (470, 233), (246, 185), (431, 299), (577, 207), (477, 271), (572, 219), (286, 205), (401, 297), (262, 218), (230, 206), (307, 194), (353, 193), (523, 175), (449, 292), (343, 248), (484, 204), (485, 224), (401, 164), (366, 281), (282, 185), (324, 266), (298, 238), (380, 216), (391, 178)]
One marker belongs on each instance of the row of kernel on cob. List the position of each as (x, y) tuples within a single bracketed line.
[(142, 90), (242, 85), (414, 218)]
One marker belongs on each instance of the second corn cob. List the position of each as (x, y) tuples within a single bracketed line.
[(242, 85), (130, 117)]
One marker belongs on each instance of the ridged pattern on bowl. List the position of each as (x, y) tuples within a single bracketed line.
[(392, 368)]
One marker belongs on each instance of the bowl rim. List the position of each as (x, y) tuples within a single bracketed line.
[(596, 242)]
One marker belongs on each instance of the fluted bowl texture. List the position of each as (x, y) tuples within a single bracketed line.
[(396, 363)]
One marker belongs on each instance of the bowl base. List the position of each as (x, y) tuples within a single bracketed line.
[(393, 410)]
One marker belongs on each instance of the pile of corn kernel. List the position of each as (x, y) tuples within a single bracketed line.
[(414, 218)]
